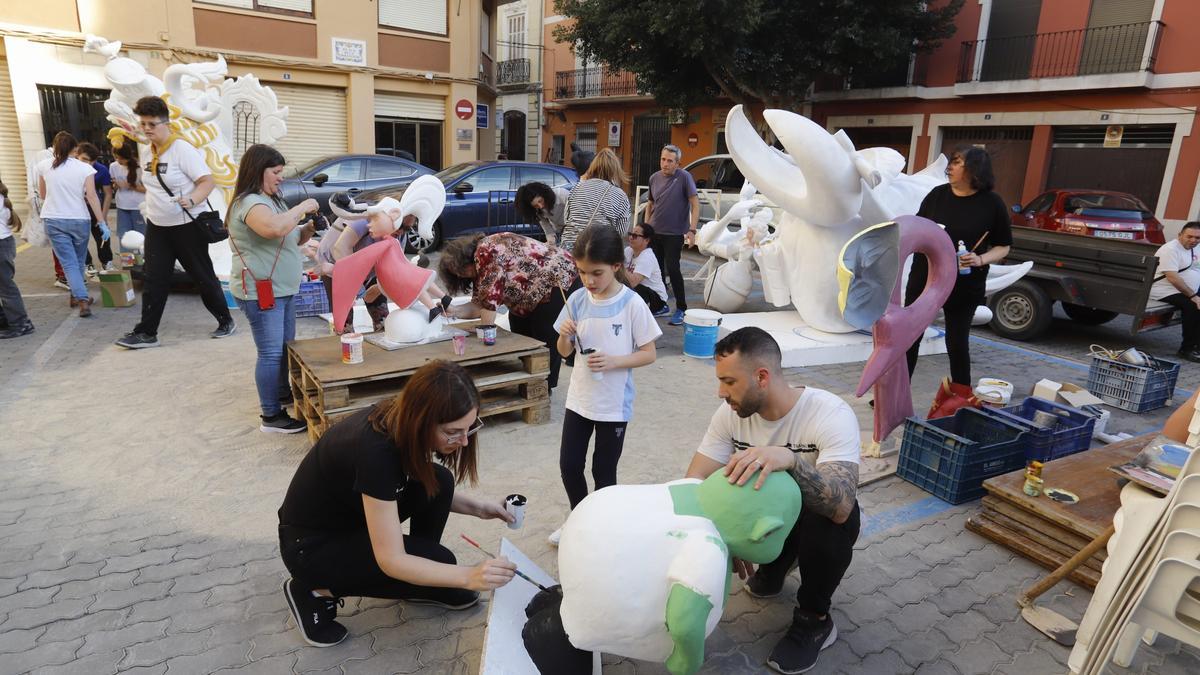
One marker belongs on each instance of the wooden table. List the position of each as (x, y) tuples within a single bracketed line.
[(510, 375), (1050, 532)]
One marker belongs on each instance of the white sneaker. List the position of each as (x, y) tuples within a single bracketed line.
[(554, 537), (60, 283)]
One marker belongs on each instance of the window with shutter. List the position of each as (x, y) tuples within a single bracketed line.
[(425, 16), (301, 7)]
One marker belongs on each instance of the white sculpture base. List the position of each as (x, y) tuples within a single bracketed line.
[(804, 346), (503, 649)]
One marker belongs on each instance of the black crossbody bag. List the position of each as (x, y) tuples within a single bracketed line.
[(210, 223)]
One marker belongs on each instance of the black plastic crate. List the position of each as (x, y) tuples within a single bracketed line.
[(950, 457), (1071, 433), (1133, 388)]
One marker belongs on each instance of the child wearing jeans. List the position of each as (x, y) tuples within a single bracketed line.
[(614, 332)]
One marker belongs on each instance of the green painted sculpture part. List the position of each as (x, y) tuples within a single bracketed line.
[(753, 523), (687, 613)]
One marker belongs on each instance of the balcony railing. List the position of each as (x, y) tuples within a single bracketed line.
[(592, 83), (1089, 51), (513, 71)]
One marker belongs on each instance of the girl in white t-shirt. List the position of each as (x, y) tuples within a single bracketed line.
[(614, 331), (14, 322), (67, 187), (127, 177)]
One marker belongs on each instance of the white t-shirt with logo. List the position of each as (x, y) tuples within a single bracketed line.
[(820, 428), (64, 189), (1173, 257), (616, 326), (646, 264), (127, 199), (180, 166)]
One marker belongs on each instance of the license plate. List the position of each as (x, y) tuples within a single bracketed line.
[(1114, 234)]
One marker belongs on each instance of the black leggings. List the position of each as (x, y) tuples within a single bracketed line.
[(103, 248), (572, 454), (539, 325), (344, 562), (654, 302), (822, 550), (958, 342), (1191, 320), (668, 248), (165, 245)]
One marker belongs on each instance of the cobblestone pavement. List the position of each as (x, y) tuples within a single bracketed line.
[(137, 515)]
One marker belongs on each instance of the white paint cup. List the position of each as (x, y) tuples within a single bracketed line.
[(515, 505), (352, 348), (596, 374)]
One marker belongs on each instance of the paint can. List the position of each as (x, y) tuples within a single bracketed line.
[(352, 348), (515, 505), (487, 334), (460, 344), (1045, 419), (700, 328), (597, 375)]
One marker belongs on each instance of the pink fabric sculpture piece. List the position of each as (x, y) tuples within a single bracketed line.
[(400, 280), (900, 326)]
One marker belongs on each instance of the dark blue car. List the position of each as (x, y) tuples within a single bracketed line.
[(479, 196)]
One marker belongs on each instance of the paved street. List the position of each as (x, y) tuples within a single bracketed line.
[(138, 516)]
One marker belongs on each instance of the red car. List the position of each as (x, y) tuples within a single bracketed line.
[(1095, 213)]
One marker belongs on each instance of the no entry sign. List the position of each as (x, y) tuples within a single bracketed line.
[(464, 109)]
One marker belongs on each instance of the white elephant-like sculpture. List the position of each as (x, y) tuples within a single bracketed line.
[(828, 192), (203, 105)]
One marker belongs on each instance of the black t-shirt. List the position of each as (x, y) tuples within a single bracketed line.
[(966, 219), (350, 460)]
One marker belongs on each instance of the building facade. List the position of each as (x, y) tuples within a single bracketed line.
[(385, 77), (1062, 93), (518, 80)]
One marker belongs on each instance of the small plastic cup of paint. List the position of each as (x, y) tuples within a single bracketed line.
[(460, 344), (596, 374), (515, 505), (487, 334)]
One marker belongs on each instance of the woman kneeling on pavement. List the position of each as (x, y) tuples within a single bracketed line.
[(339, 526), (266, 236)]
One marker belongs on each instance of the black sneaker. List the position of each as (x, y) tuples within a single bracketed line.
[(798, 649), (137, 340), (10, 332), (761, 587), (1192, 355), (315, 617), (282, 423), (224, 330), (449, 598)]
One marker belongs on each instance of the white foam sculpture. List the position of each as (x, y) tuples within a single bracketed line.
[(828, 192), (412, 325), (655, 544), (202, 102)]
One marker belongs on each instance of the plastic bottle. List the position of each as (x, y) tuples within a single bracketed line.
[(962, 250)]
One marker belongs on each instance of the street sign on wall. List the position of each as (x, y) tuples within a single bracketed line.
[(463, 110), (481, 115)]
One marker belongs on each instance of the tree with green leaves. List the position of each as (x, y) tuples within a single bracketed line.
[(750, 51)]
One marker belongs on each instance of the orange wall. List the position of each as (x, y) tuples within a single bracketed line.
[(1177, 51), (942, 63)]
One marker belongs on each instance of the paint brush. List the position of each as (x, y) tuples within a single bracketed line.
[(490, 555), (985, 234)]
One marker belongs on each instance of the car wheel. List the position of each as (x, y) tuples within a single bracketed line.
[(1088, 316), (416, 244), (1022, 311)]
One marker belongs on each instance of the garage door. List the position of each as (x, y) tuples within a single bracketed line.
[(316, 122), (407, 107), (1137, 165), (12, 163), (1008, 147)]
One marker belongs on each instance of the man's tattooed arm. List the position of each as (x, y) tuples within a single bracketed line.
[(828, 489)]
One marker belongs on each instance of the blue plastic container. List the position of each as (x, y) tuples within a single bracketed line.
[(230, 302), (311, 300), (950, 457), (1071, 433), (700, 328), (1133, 388)]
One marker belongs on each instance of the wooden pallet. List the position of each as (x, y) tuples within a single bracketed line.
[(1046, 531), (510, 375)]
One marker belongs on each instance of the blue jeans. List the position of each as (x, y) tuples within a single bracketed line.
[(272, 329), (129, 219), (69, 239)]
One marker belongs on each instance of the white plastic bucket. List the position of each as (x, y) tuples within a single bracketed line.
[(994, 392), (700, 327), (352, 348)]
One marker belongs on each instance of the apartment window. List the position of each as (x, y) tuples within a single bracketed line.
[(425, 16), (516, 37), (485, 33), (585, 136), (294, 7)]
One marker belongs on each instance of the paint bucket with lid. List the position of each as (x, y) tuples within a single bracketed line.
[(700, 328), (352, 348)]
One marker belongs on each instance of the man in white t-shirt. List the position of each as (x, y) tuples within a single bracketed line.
[(767, 425), (1177, 283), (178, 183), (641, 266)]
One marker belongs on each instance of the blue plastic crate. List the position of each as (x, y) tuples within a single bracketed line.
[(311, 300), (1133, 388), (1071, 433), (950, 457)]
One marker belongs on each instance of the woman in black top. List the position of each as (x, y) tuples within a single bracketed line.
[(339, 526), (976, 216)]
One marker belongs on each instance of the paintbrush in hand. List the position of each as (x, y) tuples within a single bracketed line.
[(518, 572)]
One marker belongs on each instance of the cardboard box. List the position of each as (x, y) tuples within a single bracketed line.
[(1065, 393), (116, 289)]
